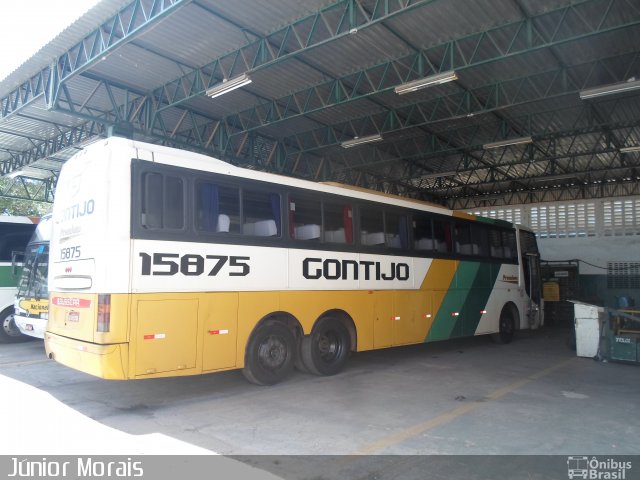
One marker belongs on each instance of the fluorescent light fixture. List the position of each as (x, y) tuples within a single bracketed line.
[(552, 178), (438, 175), (360, 140), (437, 79), (227, 85), (507, 142), (631, 84), (630, 149)]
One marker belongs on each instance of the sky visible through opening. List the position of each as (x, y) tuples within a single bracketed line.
[(29, 25)]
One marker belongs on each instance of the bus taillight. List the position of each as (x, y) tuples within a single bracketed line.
[(104, 313)]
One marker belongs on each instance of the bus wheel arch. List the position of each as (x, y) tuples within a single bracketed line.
[(9, 331), (508, 323), (271, 350), (327, 348)]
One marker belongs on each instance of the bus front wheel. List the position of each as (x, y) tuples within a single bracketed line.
[(270, 354), (507, 326), (9, 331), (327, 349)]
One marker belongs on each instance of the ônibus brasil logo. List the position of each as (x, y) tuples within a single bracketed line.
[(597, 469)]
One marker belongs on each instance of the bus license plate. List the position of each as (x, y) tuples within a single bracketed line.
[(73, 317), (28, 327)]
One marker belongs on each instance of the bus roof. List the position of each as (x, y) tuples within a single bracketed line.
[(384, 194), (214, 165), (18, 219)]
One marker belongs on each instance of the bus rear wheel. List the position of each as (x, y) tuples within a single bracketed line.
[(270, 354), (9, 331), (327, 349), (507, 326)]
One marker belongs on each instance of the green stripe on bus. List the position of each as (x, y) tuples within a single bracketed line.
[(494, 221), (7, 278), (468, 294), (477, 298), (444, 325)]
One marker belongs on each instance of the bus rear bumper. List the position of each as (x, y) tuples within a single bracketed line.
[(104, 361)]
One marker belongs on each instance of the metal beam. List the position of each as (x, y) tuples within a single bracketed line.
[(460, 105), (225, 138), (554, 153), (499, 43), (340, 19), (67, 139), (576, 192)]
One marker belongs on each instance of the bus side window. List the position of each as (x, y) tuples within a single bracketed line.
[(396, 234), (217, 208), (207, 207), (480, 240), (337, 222), (463, 239), (422, 233), (371, 226), (442, 236), (162, 201), (509, 244), (151, 200), (174, 203), (305, 219), (261, 213), (495, 243), (229, 209)]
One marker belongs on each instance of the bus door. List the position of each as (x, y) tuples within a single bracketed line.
[(530, 259), (533, 287)]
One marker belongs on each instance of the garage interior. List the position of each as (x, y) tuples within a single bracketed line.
[(521, 110)]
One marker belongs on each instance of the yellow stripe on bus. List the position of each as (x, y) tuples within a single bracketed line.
[(438, 280)]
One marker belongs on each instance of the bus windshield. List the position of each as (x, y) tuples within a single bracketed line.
[(33, 281)]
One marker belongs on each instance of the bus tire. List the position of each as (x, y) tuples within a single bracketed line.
[(507, 326), (326, 350), (9, 331), (298, 363), (270, 354)]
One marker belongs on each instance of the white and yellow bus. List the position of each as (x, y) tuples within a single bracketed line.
[(165, 262), (31, 304)]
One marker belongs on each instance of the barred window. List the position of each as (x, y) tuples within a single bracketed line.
[(623, 274)]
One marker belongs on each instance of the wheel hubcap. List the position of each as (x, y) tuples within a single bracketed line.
[(272, 352), (10, 327), (329, 346)]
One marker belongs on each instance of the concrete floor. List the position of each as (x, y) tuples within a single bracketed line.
[(460, 397)]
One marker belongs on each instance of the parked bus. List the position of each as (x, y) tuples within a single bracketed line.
[(14, 236), (31, 305), (166, 262)]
